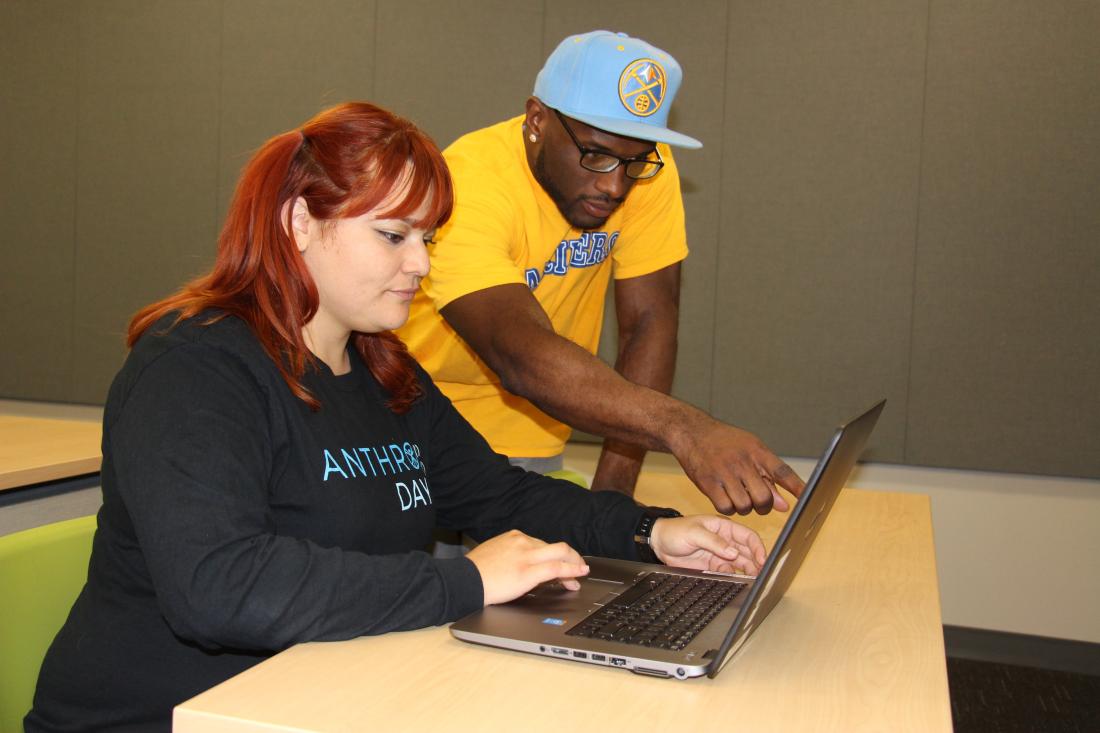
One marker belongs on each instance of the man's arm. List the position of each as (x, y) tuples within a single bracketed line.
[(511, 333), (647, 309)]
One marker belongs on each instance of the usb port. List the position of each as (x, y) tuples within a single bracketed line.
[(580, 655), (599, 658), (559, 650)]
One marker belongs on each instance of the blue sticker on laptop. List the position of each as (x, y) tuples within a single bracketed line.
[(554, 621)]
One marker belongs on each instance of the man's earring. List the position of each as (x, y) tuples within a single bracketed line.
[(532, 137)]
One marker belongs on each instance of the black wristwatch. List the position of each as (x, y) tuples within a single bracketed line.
[(645, 528)]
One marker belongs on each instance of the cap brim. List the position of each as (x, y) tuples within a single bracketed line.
[(638, 130)]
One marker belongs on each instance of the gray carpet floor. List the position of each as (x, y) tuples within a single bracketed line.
[(1001, 698)]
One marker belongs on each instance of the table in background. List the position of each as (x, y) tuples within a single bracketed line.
[(34, 449), (856, 645)]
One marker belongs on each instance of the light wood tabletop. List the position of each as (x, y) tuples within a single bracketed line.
[(856, 645), (35, 449)]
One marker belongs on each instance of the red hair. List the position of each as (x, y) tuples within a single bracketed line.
[(343, 163)]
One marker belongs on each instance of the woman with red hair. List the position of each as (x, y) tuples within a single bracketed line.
[(274, 462)]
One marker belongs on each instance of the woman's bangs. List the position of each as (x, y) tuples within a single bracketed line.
[(419, 173)]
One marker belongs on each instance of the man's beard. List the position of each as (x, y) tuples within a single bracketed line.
[(571, 210)]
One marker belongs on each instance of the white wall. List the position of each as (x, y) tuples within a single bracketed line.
[(1014, 553)]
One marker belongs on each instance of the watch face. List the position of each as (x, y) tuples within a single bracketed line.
[(645, 528)]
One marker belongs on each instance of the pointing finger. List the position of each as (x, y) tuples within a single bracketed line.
[(785, 476)]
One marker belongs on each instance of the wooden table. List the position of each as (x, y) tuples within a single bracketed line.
[(34, 449), (856, 645)]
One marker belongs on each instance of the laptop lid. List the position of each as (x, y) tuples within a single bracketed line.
[(822, 489)]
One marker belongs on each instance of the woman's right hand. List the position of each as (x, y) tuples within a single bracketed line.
[(513, 563)]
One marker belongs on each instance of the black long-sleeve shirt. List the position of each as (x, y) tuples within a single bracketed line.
[(237, 521)]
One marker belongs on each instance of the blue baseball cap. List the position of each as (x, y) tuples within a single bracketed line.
[(615, 83)]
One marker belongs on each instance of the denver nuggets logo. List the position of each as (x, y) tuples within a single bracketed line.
[(642, 87)]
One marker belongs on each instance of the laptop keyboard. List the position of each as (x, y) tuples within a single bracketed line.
[(660, 610)]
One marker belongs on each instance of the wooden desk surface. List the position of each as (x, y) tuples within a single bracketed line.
[(34, 449), (856, 645)]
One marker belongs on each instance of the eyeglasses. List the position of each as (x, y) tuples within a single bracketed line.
[(598, 162)]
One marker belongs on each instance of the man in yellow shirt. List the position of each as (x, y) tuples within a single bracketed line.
[(548, 207)]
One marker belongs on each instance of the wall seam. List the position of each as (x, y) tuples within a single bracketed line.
[(220, 127), (70, 393), (542, 33), (718, 227), (374, 53), (916, 238)]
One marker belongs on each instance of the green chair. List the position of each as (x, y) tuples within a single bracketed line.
[(568, 475), (41, 573)]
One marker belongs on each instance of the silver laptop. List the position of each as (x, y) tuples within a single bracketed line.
[(662, 621)]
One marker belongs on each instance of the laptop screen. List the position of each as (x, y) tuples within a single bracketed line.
[(798, 534)]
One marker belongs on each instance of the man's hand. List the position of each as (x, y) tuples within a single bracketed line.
[(733, 468), (703, 542), (513, 563)]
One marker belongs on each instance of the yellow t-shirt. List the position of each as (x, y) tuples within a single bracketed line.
[(506, 229)]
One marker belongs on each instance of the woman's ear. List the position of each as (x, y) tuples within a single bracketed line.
[(301, 222)]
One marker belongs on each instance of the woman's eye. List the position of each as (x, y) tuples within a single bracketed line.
[(392, 237)]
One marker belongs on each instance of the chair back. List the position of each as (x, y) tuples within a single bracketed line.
[(41, 573), (570, 475)]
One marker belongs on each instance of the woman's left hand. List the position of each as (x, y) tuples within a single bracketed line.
[(705, 542)]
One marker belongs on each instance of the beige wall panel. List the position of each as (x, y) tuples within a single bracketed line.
[(282, 62), (700, 47), (457, 67), (1006, 362), (37, 200), (813, 285), (146, 176), (823, 109)]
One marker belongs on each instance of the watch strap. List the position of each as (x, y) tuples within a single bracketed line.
[(644, 530)]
